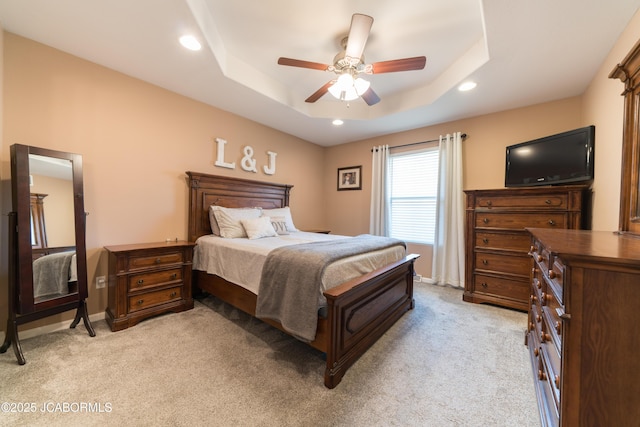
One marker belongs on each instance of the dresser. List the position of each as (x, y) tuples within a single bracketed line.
[(582, 332), (146, 280), (497, 263)]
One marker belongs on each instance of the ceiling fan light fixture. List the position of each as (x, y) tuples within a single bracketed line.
[(346, 88)]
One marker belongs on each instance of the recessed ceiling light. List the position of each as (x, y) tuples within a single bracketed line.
[(337, 122), (467, 86), (190, 43)]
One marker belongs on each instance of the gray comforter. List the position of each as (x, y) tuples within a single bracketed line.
[(291, 279)]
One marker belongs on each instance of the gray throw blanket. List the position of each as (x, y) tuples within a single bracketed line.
[(51, 274), (291, 280)]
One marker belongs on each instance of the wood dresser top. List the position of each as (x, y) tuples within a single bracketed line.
[(590, 246)]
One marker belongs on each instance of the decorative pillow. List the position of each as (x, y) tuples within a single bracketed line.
[(228, 220), (279, 224), (285, 212), (258, 228), (215, 229)]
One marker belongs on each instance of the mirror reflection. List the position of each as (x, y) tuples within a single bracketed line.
[(52, 227)]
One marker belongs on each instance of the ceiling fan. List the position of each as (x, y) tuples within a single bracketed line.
[(349, 64)]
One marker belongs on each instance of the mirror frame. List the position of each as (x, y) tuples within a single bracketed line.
[(23, 293), (628, 71)]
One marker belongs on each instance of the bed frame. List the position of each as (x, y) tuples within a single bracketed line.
[(358, 312)]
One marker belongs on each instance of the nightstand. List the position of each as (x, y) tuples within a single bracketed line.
[(148, 279)]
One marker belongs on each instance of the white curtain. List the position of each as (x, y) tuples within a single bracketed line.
[(448, 249), (378, 215)]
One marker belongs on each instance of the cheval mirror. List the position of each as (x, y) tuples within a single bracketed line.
[(47, 250)]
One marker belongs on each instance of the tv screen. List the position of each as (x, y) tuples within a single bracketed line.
[(564, 158)]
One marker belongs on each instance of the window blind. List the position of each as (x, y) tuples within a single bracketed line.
[(413, 187)]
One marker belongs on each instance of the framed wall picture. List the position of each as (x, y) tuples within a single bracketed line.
[(350, 178)]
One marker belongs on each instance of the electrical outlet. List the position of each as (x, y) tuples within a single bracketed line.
[(100, 282)]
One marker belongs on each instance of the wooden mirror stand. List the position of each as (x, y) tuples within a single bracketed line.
[(628, 71), (47, 252)]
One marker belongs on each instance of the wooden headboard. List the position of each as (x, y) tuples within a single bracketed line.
[(207, 190)]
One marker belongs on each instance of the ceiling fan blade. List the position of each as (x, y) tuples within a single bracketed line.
[(302, 64), (320, 92), (358, 35), (370, 97), (406, 64)]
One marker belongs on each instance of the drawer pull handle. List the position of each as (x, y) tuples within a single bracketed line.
[(544, 337), (158, 261), (561, 314), (484, 284), (543, 298), (488, 202), (173, 276), (485, 241), (532, 249), (548, 202), (552, 274), (557, 381), (485, 220), (538, 318), (559, 328), (485, 262), (140, 301), (173, 294), (552, 222), (540, 258), (541, 375), (536, 351), (140, 281)]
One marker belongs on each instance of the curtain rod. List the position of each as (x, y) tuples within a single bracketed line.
[(463, 136)]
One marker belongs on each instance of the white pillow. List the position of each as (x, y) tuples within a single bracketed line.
[(257, 228), (279, 224), (228, 220), (285, 212)]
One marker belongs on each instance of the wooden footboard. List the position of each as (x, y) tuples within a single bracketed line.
[(362, 310)]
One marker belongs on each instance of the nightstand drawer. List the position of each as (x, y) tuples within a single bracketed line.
[(154, 279), (150, 299), (156, 260)]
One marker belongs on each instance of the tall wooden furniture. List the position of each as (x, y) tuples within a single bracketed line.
[(40, 285), (583, 327), (146, 280), (497, 263)]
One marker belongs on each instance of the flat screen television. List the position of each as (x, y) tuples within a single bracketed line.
[(564, 158)]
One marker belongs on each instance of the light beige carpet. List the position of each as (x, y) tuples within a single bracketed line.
[(445, 363)]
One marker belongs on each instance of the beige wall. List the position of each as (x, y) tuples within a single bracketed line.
[(137, 140)]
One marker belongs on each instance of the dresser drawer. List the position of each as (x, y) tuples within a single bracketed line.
[(155, 260), (501, 286), (550, 374), (551, 311), (519, 221), (504, 263), (151, 299), (548, 201), (509, 241), (153, 279)]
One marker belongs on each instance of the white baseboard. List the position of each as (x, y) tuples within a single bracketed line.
[(41, 330)]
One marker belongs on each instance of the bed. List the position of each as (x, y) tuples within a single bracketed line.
[(357, 313)]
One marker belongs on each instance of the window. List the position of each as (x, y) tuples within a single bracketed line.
[(413, 188)]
